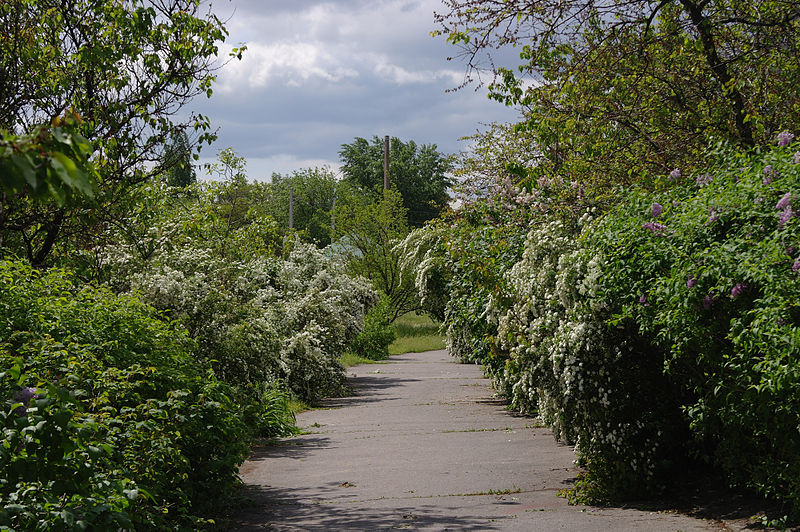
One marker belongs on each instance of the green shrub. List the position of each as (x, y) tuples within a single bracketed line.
[(373, 341), (708, 274), (128, 429)]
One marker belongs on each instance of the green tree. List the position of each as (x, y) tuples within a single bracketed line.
[(368, 234), (123, 70), (418, 172), (178, 160), (616, 90), (314, 191), (236, 203)]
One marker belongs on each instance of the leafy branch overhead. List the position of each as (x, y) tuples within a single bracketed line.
[(615, 88), (47, 163), (126, 69)]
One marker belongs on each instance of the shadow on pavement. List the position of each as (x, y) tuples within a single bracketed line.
[(367, 389), (296, 448), (712, 500), (303, 510)]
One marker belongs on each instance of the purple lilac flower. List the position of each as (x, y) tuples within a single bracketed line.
[(24, 396), (643, 299), (656, 210), (785, 138), (655, 227), (713, 215), (796, 265), (797, 157), (738, 289), (691, 282), (785, 201), (675, 174), (708, 301), (768, 173), (704, 179), (786, 215)]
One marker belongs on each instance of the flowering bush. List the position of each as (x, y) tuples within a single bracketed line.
[(258, 314), (721, 309), (587, 380), (666, 330)]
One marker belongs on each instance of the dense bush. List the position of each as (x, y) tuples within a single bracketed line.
[(135, 410), (373, 341), (597, 385), (109, 420), (665, 330), (708, 273)]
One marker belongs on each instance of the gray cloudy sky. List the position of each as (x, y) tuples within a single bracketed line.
[(316, 74)]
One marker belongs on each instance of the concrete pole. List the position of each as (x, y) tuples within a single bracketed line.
[(386, 162), (291, 208)]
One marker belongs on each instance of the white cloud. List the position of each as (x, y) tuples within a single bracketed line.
[(290, 64), (335, 42), (262, 168), (397, 74), (318, 73)]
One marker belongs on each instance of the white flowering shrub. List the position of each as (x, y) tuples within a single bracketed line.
[(482, 243), (257, 315), (586, 379), (423, 255)]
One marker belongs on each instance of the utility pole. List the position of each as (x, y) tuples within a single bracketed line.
[(291, 207), (386, 162), (333, 217)]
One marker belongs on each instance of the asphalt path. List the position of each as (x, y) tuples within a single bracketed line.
[(425, 445)]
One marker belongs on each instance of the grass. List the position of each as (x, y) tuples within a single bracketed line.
[(297, 406), (350, 359), (416, 333)]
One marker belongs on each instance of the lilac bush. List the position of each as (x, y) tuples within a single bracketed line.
[(730, 363)]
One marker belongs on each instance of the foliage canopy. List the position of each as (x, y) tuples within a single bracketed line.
[(616, 91), (121, 71)]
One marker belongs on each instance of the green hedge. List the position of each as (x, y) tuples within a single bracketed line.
[(708, 274), (374, 339), (108, 419)]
